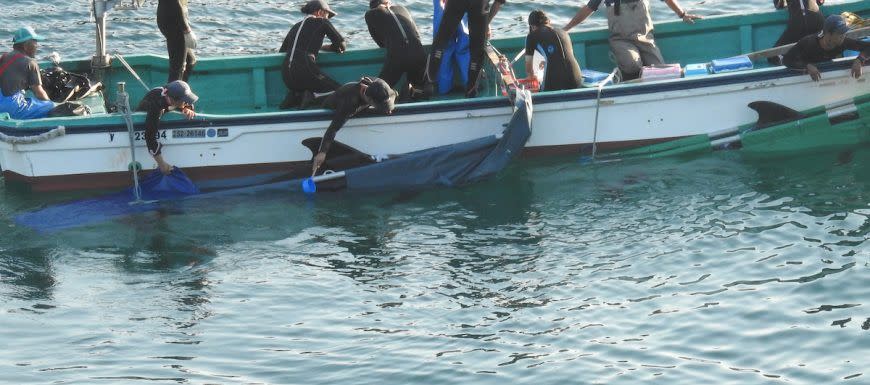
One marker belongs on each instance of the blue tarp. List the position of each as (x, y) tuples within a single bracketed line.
[(154, 188), (449, 165)]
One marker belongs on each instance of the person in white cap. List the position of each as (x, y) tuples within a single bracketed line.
[(19, 72), (176, 95)]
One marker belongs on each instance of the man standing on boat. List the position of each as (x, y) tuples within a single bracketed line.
[(174, 96), (180, 40), (631, 32), (393, 28), (349, 100), (303, 42), (480, 13), (804, 18), (19, 72), (563, 72), (827, 46)]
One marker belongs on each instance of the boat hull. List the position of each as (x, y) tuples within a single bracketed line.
[(225, 151)]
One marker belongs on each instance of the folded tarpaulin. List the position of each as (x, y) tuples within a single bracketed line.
[(154, 188)]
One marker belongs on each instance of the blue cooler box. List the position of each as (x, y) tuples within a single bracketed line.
[(591, 78), (737, 63), (696, 69)]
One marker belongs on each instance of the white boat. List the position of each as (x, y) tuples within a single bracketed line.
[(240, 137)]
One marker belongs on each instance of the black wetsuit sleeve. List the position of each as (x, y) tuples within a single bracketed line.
[(501, 1), (530, 44), (338, 44), (152, 123), (339, 118), (345, 102), (154, 107), (858, 45), (288, 40), (372, 23), (795, 57), (779, 4)]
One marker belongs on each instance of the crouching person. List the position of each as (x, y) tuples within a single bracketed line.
[(19, 72), (173, 96), (346, 102)]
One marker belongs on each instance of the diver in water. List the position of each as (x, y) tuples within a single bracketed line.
[(303, 42), (180, 40)]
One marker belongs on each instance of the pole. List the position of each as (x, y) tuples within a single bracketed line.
[(124, 104), (598, 107)]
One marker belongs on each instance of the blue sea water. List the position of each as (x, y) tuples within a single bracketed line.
[(708, 270)]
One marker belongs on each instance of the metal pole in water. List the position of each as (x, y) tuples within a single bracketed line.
[(124, 104), (598, 107)]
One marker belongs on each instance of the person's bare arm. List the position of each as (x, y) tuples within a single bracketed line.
[(687, 17), (39, 92), (493, 9), (579, 17)]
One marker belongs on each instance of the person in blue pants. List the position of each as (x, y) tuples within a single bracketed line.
[(456, 54), (19, 72)]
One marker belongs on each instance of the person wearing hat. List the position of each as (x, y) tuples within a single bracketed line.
[(563, 72), (176, 95), (302, 44), (19, 72), (349, 100), (631, 32), (480, 13), (393, 28), (173, 23), (827, 45)]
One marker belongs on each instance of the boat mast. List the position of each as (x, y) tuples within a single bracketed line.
[(100, 8)]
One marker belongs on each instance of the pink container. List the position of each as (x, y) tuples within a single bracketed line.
[(660, 72)]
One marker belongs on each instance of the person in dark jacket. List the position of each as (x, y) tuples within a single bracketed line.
[(349, 100), (174, 96), (173, 23), (303, 42), (563, 72), (480, 13), (827, 46), (393, 28), (804, 18)]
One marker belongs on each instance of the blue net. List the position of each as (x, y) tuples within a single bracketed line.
[(154, 188)]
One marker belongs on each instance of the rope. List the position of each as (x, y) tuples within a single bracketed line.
[(54, 133), (132, 71)]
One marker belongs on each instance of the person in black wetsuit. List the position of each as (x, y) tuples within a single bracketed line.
[(804, 18), (827, 46), (302, 45), (346, 102), (393, 28), (563, 72), (180, 40), (479, 15), (174, 96)]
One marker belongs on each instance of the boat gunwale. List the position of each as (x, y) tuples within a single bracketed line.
[(24, 127)]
